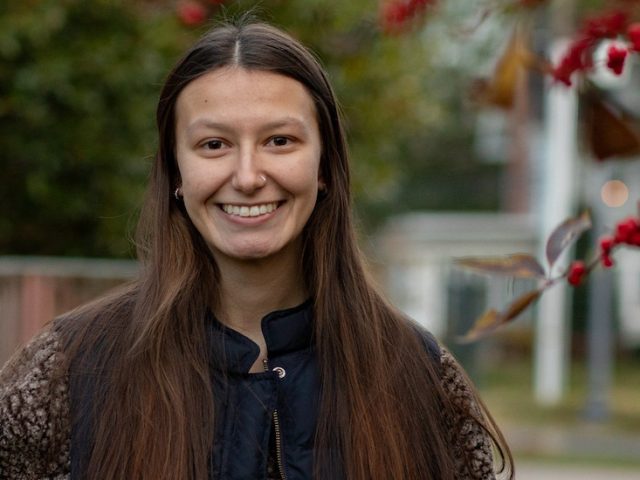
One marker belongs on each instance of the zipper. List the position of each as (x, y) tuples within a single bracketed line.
[(276, 427)]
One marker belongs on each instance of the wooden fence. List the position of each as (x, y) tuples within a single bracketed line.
[(33, 290)]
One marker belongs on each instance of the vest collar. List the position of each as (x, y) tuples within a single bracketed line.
[(284, 331)]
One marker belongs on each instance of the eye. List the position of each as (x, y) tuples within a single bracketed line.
[(214, 144), (279, 141)]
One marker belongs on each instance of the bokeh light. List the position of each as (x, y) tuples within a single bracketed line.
[(614, 193)]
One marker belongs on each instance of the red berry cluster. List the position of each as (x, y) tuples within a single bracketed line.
[(193, 12), (578, 57), (577, 272), (396, 14), (606, 246), (627, 232)]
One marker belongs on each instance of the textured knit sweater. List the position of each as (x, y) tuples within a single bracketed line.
[(35, 429)]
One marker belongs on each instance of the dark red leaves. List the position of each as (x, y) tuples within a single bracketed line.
[(519, 265), (564, 235), (493, 319)]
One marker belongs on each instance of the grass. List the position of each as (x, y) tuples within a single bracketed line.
[(507, 390)]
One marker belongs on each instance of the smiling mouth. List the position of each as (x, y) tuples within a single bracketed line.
[(249, 211)]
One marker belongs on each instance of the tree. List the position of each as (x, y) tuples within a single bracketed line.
[(77, 87)]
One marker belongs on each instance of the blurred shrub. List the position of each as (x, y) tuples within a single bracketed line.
[(78, 82)]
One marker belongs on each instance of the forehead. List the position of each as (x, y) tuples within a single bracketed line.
[(235, 94)]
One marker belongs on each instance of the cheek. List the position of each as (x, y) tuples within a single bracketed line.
[(199, 181), (301, 179)]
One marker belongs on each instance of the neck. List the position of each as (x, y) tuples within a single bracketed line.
[(251, 289)]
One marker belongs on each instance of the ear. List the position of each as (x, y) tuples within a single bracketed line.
[(322, 186)]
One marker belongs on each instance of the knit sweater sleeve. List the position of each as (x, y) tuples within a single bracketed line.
[(472, 445), (34, 412)]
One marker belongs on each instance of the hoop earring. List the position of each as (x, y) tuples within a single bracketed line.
[(178, 194)]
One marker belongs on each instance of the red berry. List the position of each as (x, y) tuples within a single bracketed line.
[(607, 261), (626, 228), (192, 13), (576, 271), (607, 243), (615, 58), (634, 239), (634, 36)]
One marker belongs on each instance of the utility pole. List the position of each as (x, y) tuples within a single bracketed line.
[(557, 204)]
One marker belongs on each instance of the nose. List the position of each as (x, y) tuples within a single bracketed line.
[(247, 176)]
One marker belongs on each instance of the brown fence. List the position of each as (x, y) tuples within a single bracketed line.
[(33, 290)]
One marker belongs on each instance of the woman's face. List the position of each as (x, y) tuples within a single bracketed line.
[(248, 149)]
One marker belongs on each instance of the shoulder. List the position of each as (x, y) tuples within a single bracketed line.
[(34, 411), (466, 421), (472, 444), (431, 345)]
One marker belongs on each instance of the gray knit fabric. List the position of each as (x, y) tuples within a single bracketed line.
[(34, 416), (34, 413), (472, 445)]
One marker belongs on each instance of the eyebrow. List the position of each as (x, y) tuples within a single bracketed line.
[(283, 122)]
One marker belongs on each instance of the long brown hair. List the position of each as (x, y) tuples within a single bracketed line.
[(383, 412)]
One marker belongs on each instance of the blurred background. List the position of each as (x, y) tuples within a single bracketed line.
[(463, 144)]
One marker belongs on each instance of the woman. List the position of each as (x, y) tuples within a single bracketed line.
[(253, 344)]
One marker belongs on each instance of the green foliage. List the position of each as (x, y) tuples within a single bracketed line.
[(79, 80)]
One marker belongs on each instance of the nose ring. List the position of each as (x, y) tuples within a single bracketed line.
[(263, 179)]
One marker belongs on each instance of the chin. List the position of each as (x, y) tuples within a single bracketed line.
[(251, 252)]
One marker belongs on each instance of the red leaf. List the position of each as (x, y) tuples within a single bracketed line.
[(491, 320), (610, 131), (484, 325), (499, 90), (565, 234), (520, 304), (519, 265)]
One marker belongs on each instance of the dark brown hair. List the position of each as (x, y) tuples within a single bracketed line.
[(383, 413)]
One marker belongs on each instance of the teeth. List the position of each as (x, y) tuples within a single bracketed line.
[(252, 211)]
